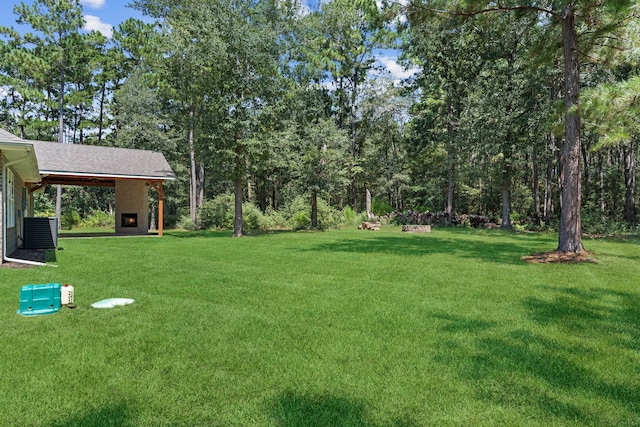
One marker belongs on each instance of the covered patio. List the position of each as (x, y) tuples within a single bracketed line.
[(30, 165), (129, 171)]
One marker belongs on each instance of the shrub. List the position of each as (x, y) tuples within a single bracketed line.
[(380, 207), (301, 220), (274, 220), (217, 213), (220, 213), (348, 216), (252, 217), (298, 214), (70, 219), (98, 219)]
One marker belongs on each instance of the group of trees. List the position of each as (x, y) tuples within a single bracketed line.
[(267, 100)]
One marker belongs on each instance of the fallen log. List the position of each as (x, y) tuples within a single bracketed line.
[(369, 226)]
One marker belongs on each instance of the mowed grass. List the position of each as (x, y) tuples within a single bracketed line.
[(340, 328)]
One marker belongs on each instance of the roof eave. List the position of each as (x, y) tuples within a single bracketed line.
[(106, 176), (15, 152)]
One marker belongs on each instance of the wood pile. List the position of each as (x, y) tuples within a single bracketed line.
[(416, 228), (375, 226)]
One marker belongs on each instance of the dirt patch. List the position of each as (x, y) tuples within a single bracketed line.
[(560, 257)]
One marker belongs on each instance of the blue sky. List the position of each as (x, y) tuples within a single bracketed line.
[(104, 15), (100, 15)]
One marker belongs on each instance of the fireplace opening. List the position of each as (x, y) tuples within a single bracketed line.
[(129, 220)]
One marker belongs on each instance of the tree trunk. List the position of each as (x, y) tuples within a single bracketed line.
[(152, 221), (192, 167), (548, 206), (451, 164), (368, 205), (603, 203), (275, 196), (569, 235), (103, 95), (237, 220), (535, 186), (200, 184), (314, 208), (630, 182), (506, 194), (60, 140), (354, 151)]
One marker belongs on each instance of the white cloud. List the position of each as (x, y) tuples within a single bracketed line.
[(397, 71), (94, 23), (94, 4)]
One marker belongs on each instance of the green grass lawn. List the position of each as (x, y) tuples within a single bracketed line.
[(340, 328)]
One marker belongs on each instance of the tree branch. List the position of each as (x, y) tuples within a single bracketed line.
[(498, 8)]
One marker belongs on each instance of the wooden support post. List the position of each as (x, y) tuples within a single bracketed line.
[(160, 219)]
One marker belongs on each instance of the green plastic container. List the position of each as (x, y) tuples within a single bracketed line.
[(39, 299)]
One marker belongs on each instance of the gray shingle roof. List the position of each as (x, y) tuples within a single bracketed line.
[(90, 160), (75, 159), (9, 137)]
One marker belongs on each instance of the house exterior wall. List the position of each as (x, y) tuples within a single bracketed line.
[(2, 160), (15, 233), (132, 197)]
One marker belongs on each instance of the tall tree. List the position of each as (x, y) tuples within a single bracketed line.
[(343, 36), (238, 44), (597, 19), (323, 161), (55, 25), (450, 51)]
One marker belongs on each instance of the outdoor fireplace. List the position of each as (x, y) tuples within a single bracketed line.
[(129, 220)]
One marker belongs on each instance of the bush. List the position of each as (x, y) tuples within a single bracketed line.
[(70, 219), (274, 220), (380, 207), (348, 216), (252, 217), (98, 219), (217, 213), (185, 223), (298, 214), (301, 220)]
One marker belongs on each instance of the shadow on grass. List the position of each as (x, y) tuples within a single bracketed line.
[(117, 415), (591, 312), (223, 233), (532, 372), (505, 249), (208, 234), (296, 410)]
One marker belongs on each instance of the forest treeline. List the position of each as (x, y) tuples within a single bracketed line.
[(526, 111)]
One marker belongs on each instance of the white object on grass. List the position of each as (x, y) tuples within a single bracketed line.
[(111, 302)]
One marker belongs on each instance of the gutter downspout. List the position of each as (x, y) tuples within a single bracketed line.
[(4, 216)]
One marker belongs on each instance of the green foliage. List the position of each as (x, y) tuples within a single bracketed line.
[(348, 215), (298, 214), (596, 224), (43, 205), (301, 220), (70, 219), (217, 213), (253, 219), (98, 219), (380, 207)]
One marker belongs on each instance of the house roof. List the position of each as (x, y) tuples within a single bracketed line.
[(21, 155), (78, 164)]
